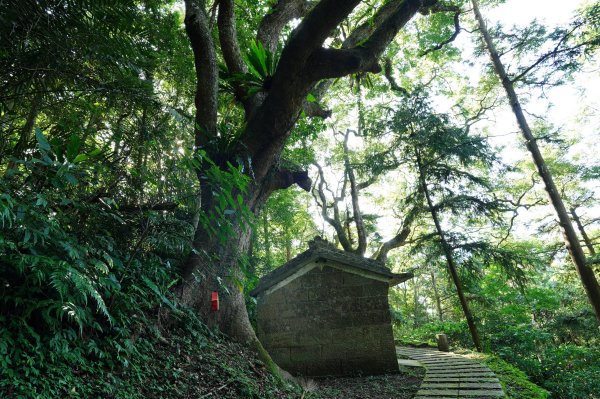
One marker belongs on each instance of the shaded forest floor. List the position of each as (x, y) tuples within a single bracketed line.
[(188, 361), (394, 386)]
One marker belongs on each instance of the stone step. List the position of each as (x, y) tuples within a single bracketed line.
[(453, 376), (431, 356), (479, 393), (460, 371), (482, 385), (435, 397), (461, 379), (455, 367), (410, 363), (448, 360), (442, 364), (438, 392), (437, 361), (464, 375), (440, 385)]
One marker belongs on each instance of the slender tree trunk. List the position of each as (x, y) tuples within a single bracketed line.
[(267, 241), (586, 239), (27, 132), (358, 219), (416, 301), (588, 279), (438, 301), (288, 243), (449, 258), (251, 257)]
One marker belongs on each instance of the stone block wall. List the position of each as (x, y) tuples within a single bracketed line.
[(328, 322)]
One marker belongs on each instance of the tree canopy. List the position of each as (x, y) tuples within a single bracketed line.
[(155, 153)]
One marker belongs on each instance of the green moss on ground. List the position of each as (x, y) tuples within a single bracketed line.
[(515, 383)]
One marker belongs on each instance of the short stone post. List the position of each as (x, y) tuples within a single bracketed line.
[(442, 342)]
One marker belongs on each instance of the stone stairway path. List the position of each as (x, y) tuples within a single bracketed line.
[(449, 375)]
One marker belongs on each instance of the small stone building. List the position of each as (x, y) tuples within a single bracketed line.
[(326, 312)]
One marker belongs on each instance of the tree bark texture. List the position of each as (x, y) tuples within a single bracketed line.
[(588, 279)]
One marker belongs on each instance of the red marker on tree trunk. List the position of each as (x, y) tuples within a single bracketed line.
[(214, 301)]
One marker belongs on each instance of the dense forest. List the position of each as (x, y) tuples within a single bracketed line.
[(155, 153)]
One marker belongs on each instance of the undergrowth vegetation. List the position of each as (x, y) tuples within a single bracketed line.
[(530, 335), (86, 308)]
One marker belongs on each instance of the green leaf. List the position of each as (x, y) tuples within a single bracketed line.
[(311, 98), (95, 152), (73, 147), (80, 158), (41, 139), (41, 201), (71, 179), (156, 290)]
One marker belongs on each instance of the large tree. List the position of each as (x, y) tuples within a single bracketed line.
[(304, 66), (572, 243)]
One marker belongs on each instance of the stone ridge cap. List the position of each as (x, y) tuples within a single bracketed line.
[(323, 249)]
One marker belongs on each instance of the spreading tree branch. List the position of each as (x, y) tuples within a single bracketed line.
[(333, 63), (335, 221), (273, 23), (207, 73), (231, 49), (358, 219), (399, 240), (390, 78), (359, 35), (453, 37), (304, 62)]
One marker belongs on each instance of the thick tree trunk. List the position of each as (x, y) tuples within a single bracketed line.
[(588, 279), (215, 269), (449, 258)]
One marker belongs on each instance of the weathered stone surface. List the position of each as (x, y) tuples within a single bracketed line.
[(452, 376), (442, 343), (435, 397), (328, 322), (478, 379), (480, 385), (438, 392), (455, 366), (458, 371), (410, 363), (480, 393), (440, 385)]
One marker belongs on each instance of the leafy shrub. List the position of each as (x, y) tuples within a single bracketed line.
[(76, 275), (572, 371), (458, 335)]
